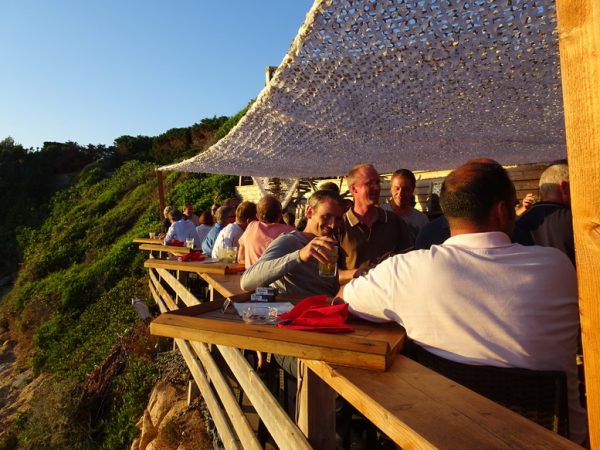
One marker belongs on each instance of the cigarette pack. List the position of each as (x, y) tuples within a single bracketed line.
[(261, 298), (266, 290)]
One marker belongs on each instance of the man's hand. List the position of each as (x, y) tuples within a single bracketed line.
[(527, 203), (319, 248)]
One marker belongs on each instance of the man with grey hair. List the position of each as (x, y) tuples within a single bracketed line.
[(224, 216), (550, 222)]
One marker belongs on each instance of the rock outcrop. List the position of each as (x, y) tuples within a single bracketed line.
[(169, 423)]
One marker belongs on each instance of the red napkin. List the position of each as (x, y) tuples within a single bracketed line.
[(176, 243), (315, 314), (192, 256)]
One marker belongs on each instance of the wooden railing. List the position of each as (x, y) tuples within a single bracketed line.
[(232, 424), (414, 406)]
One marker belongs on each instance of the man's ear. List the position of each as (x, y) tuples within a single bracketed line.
[(501, 214), (309, 212), (565, 192)]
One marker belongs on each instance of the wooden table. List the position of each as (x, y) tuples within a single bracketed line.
[(228, 285), (198, 267), (145, 240), (369, 346), (415, 406), (419, 408), (160, 248)]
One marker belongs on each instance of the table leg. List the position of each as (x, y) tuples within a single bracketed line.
[(316, 409)]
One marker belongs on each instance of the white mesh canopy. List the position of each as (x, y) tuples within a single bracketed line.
[(421, 84)]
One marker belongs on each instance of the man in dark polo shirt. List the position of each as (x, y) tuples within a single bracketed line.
[(370, 233), (550, 223)]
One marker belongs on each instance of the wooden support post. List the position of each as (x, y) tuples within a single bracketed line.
[(161, 192), (282, 429), (193, 392), (579, 43), (316, 409)]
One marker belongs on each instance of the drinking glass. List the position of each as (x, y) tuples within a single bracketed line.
[(329, 269), (189, 243), (230, 254), (152, 235)]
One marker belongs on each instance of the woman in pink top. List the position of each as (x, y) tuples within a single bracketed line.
[(259, 234)]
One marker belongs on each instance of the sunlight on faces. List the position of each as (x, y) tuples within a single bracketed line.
[(325, 219), (367, 187), (402, 190)]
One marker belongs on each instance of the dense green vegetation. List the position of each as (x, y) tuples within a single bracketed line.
[(71, 213)]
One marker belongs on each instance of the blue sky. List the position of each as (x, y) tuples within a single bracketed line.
[(91, 71)]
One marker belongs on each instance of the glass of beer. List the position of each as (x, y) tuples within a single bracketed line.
[(329, 269), (230, 254), (189, 243)]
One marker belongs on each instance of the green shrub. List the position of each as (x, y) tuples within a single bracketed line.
[(203, 190), (70, 307), (131, 393)]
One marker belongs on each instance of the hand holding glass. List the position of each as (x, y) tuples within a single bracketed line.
[(329, 269)]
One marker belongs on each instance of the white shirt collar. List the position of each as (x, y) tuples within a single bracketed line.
[(491, 239)]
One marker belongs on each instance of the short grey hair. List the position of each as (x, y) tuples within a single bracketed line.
[(223, 213), (551, 179)]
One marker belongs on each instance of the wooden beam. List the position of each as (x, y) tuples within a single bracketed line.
[(316, 410), (370, 346), (226, 433), (161, 192), (161, 291), (285, 433), (188, 298), (234, 411), (579, 43)]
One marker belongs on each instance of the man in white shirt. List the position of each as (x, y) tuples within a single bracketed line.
[(478, 298), (181, 229), (230, 235)]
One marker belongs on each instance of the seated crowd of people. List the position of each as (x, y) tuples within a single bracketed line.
[(490, 282)]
